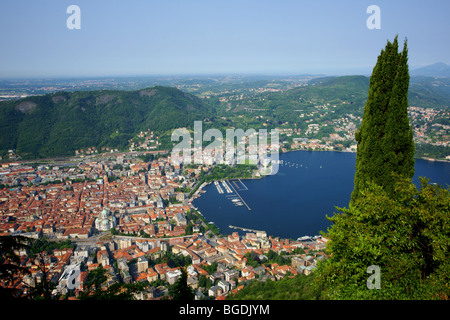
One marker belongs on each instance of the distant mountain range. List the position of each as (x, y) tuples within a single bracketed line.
[(439, 69)]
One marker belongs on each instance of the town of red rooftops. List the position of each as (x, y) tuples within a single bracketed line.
[(124, 215)]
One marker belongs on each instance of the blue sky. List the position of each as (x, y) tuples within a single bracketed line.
[(145, 37)]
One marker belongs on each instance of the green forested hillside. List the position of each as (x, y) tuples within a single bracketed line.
[(300, 287), (423, 91), (351, 89), (58, 124), (329, 98), (347, 93), (428, 92), (62, 122)]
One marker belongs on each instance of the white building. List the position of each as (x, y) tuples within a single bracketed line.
[(173, 276), (105, 221), (142, 264)]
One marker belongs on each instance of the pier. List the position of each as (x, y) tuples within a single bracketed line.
[(242, 184), (247, 229), (237, 193), (219, 189), (227, 188)]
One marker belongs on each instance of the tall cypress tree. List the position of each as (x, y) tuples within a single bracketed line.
[(385, 140), (389, 224), (398, 145)]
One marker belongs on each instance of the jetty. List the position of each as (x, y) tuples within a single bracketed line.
[(227, 188), (244, 187), (237, 193), (219, 189), (260, 232)]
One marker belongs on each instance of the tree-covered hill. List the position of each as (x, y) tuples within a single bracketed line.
[(429, 92), (347, 93), (423, 91), (426, 92), (58, 124), (347, 88)]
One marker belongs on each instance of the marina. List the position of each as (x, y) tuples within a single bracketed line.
[(235, 197), (296, 202), (242, 200), (237, 202), (240, 187), (227, 188), (219, 188)]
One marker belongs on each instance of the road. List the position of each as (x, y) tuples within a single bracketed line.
[(77, 159), (91, 240)]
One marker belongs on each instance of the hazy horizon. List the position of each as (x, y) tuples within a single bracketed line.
[(199, 37), (198, 75)]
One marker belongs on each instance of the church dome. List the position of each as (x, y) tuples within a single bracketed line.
[(104, 214)]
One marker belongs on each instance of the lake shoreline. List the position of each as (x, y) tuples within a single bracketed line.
[(345, 151), (300, 196), (197, 194)]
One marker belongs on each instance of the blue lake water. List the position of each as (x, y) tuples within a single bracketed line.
[(295, 201)]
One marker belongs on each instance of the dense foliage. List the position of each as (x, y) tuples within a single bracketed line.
[(10, 267), (58, 124), (385, 139), (390, 224), (41, 245), (269, 258), (431, 151), (172, 260), (96, 287), (300, 287), (180, 289), (406, 234), (223, 171)]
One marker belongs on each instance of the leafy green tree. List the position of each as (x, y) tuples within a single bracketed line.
[(385, 138), (252, 259), (37, 246), (10, 269), (300, 287), (11, 272), (211, 268), (405, 233), (117, 291), (96, 278), (202, 281), (390, 223), (188, 229), (180, 289)]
